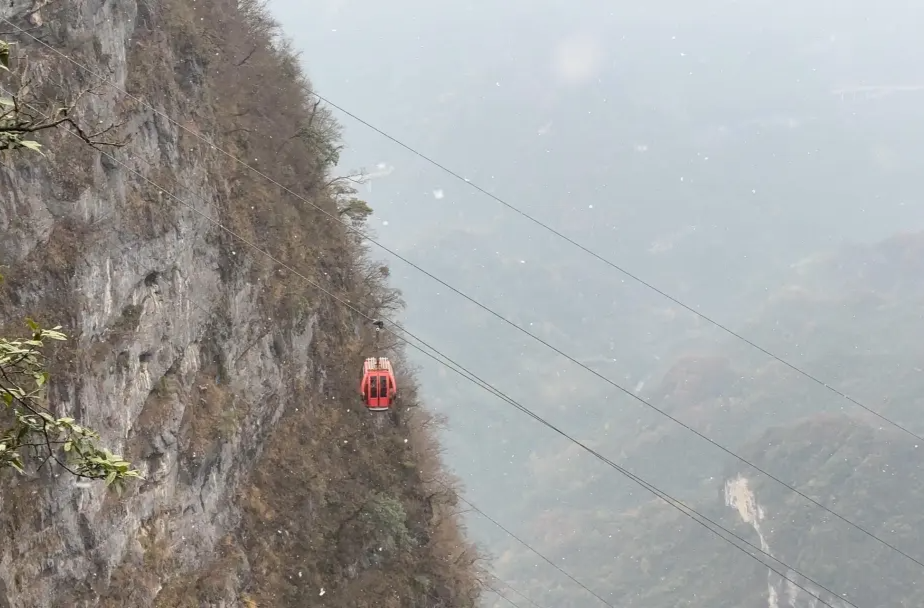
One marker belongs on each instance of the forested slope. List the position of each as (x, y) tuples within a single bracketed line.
[(848, 316), (226, 376)]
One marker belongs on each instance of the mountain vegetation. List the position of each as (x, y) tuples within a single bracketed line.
[(216, 322), (638, 551)]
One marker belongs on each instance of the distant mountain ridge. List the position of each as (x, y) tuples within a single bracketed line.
[(649, 555)]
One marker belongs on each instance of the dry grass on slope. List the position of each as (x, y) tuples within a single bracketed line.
[(355, 504)]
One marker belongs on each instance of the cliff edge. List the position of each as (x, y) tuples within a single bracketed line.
[(228, 380)]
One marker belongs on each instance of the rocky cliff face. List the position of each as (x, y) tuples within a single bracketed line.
[(225, 378)]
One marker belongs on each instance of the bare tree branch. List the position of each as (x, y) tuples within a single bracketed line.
[(248, 56), (21, 116)]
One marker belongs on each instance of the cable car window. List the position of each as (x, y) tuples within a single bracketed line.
[(373, 394)]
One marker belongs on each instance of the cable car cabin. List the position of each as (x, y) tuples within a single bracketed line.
[(378, 388)]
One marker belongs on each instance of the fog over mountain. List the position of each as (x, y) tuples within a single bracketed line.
[(760, 162)]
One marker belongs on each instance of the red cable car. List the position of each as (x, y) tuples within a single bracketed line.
[(378, 389)]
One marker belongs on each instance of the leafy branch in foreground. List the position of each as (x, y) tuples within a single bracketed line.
[(27, 427), (33, 430), (20, 120)]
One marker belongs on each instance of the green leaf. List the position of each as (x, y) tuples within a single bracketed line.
[(32, 324), (4, 56), (32, 145), (68, 445), (110, 478)]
